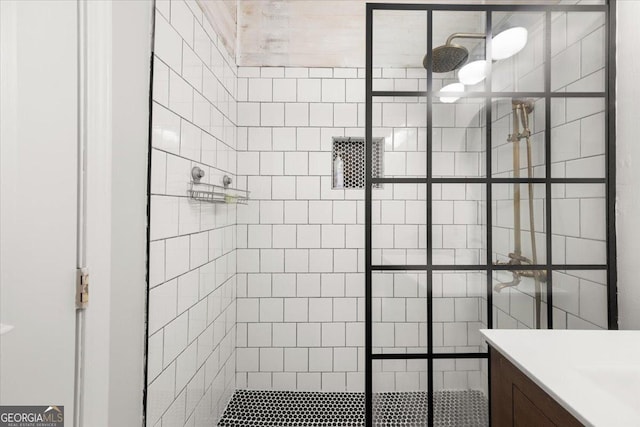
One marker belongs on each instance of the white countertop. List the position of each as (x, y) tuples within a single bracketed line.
[(595, 375)]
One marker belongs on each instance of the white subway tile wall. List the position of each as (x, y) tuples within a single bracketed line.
[(192, 307), (301, 244)]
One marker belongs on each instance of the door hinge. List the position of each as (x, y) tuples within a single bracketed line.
[(82, 288)]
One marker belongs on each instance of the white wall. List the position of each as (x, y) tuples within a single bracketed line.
[(118, 69), (131, 63), (628, 164)]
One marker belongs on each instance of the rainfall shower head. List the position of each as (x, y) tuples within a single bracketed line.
[(450, 56), (447, 58)]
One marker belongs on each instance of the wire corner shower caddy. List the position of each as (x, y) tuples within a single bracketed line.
[(540, 270)]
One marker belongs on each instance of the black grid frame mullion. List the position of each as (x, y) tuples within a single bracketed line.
[(492, 7), (423, 356), (488, 189), (547, 165), (429, 219), (368, 326), (480, 267), (488, 171), (487, 180), (610, 156), (482, 94)]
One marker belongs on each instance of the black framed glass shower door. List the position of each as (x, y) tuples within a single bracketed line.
[(495, 209)]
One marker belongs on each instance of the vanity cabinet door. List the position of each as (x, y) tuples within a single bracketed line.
[(516, 401), (526, 413)]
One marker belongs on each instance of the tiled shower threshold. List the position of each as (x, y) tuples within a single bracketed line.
[(454, 408)]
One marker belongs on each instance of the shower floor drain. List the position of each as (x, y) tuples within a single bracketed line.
[(465, 408)]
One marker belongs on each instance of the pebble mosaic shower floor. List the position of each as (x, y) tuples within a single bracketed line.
[(466, 408)]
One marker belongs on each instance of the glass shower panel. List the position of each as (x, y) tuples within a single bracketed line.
[(459, 224), (536, 188), (399, 47), (459, 311), (524, 70), (399, 231), (458, 138), (399, 312), (459, 50), (579, 224), (402, 124), (580, 299), (512, 121), (519, 225), (400, 392), (460, 392), (578, 50), (578, 141)]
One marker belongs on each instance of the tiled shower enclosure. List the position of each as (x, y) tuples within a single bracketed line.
[(309, 292)]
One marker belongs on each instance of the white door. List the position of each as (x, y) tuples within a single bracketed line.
[(38, 202)]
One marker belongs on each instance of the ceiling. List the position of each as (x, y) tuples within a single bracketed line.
[(331, 33)]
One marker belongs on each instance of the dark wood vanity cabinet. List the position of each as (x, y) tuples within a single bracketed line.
[(518, 401)]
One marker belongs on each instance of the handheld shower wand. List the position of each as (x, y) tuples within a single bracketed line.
[(521, 111)]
